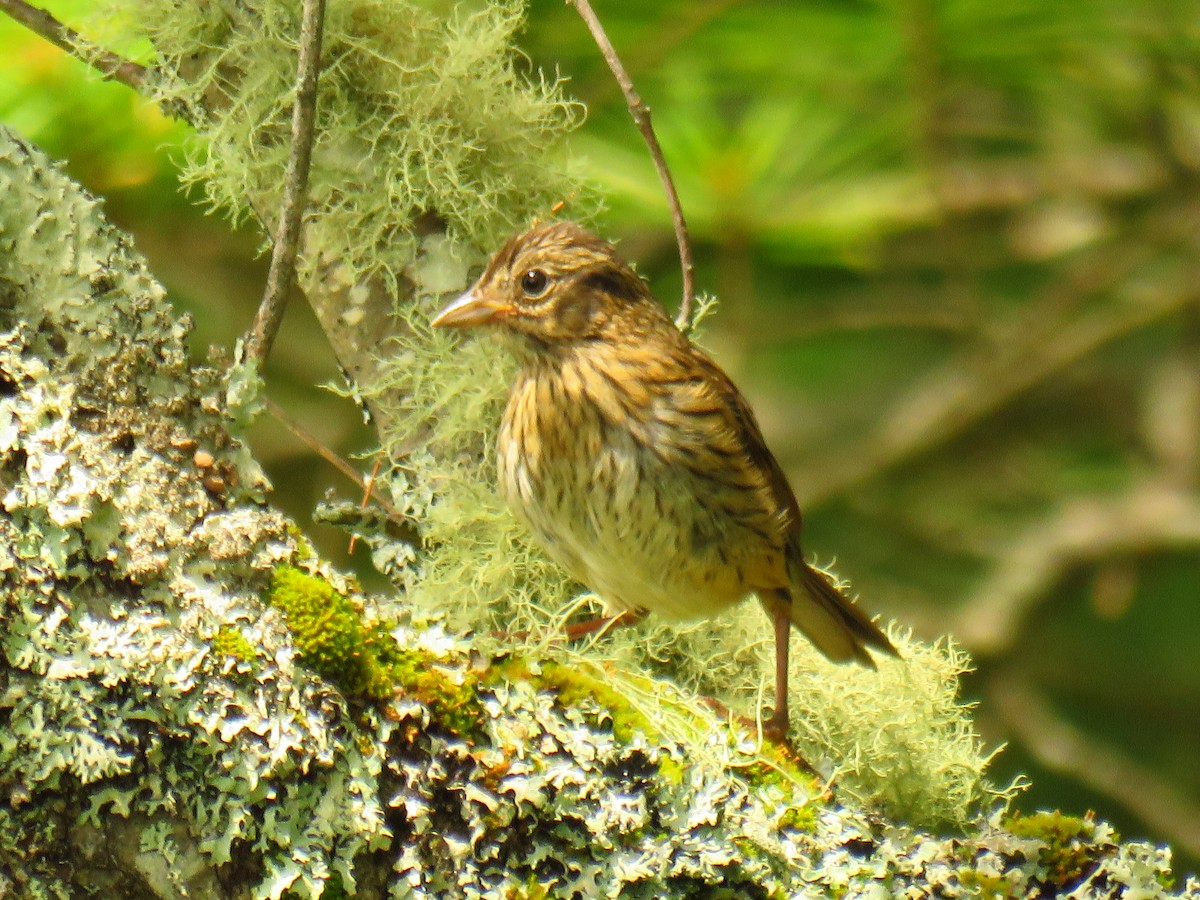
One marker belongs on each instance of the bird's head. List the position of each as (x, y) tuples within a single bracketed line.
[(555, 284)]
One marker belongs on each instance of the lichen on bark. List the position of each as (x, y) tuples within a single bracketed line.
[(136, 749)]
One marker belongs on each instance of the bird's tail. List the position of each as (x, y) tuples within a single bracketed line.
[(832, 621)]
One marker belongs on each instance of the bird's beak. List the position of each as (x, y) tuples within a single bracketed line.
[(469, 310)]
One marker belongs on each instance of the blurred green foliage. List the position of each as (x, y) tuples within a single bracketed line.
[(955, 244)]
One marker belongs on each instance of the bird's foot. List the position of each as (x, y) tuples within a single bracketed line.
[(774, 731), (576, 630)]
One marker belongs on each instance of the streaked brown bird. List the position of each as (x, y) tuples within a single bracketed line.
[(635, 461)]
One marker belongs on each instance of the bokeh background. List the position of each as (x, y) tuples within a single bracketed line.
[(956, 245)]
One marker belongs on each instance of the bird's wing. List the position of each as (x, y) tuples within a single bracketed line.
[(830, 619), (690, 414), (744, 430)]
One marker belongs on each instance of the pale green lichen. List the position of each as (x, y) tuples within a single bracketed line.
[(424, 110), (116, 562)]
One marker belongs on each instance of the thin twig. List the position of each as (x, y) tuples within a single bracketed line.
[(295, 188), (368, 487), (309, 440), (107, 64), (965, 391), (641, 117)]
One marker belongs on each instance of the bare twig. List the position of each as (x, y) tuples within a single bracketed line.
[(1062, 747), (295, 188), (641, 117), (309, 440), (368, 487), (107, 64)]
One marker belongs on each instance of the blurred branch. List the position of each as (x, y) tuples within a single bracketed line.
[(1063, 748), (641, 117), (1042, 343), (107, 64), (920, 26), (672, 30), (1149, 517), (1171, 418), (295, 190)]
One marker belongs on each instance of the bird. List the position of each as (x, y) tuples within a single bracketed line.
[(636, 463)]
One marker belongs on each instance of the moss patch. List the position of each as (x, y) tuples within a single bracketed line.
[(229, 641), (362, 658), (571, 685), (451, 696), (778, 777), (989, 887), (1069, 854), (331, 635)]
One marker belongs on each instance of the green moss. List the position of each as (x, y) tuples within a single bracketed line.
[(989, 887), (671, 770), (780, 775), (331, 636), (530, 891), (304, 547), (1067, 856), (1051, 827), (362, 658), (452, 698), (570, 685), (800, 818), (229, 641)]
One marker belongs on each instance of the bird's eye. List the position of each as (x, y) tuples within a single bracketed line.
[(534, 283)]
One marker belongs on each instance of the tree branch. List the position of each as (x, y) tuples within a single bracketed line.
[(1151, 516), (968, 389), (108, 64), (641, 117), (295, 190)]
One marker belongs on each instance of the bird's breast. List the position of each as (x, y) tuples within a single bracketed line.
[(623, 518)]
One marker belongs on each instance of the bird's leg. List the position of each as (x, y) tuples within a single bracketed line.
[(591, 626), (776, 728)]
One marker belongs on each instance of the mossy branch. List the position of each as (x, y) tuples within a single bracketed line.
[(166, 733)]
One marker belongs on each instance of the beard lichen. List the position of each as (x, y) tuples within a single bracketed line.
[(424, 110)]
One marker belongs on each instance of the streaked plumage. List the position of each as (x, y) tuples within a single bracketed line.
[(633, 458)]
